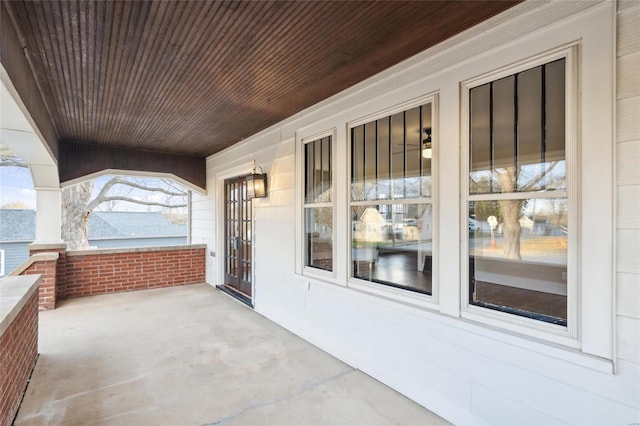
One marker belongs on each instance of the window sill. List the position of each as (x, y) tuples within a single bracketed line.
[(393, 294)]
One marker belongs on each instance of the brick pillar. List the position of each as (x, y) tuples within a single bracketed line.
[(61, 267), (44, 264)]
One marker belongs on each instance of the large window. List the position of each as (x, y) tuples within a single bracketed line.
[(391, 199), (518, 203), (318, 207)]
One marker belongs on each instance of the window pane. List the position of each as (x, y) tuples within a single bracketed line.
[(325, 170), (427, 149), (357, 153), (529, 128), (520, 266), (384, 158), (393, 245), (414, 142), (308, 177), (319, 243), (503, 131), (517, 127), (387, 157), (397, 155), (370, 150), (554, 126), (318, 171), (480, 140)]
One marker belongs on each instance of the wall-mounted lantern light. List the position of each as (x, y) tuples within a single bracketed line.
[(257, 184)]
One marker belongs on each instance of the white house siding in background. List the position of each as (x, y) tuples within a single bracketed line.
[(15, 252), (466, 370)]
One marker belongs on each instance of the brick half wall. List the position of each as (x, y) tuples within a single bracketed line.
[(92, 272), (18, 355)]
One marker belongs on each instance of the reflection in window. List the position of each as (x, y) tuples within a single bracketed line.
[(392, 214), (517, 194), (318, 210)]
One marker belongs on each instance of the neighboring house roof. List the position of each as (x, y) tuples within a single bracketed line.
[(20, 225), (132, 225), (17, 225)]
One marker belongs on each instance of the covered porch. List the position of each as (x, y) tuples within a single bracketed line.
[(193, 355), (210, 93)]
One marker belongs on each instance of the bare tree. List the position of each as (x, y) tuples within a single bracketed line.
[(507, 180), (77, 203), (6, 161)]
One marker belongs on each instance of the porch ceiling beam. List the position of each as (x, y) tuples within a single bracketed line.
[(78, 160)]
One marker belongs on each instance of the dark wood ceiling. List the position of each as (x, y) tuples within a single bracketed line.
[(195, 77)]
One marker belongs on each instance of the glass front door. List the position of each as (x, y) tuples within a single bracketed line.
[(237, 236)]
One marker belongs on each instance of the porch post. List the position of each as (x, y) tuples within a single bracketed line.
[(48, 215)]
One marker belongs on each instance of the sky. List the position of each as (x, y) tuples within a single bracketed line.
[(16, 185)]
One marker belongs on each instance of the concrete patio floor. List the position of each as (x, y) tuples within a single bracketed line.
[(194, 356)]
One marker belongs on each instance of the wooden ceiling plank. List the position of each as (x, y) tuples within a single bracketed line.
[(137, 97), (160, 15), (204, 104), (226, 24), (120, 71), (57, 37), (124, 108), (172, 86), (153, 86), (40, 59), (205, 86), (96, 19)]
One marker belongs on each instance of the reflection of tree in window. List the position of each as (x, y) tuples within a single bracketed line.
[(517, 174), (517, 141)]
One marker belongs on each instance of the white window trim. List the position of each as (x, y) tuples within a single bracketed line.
[(577, 286), (394, 293), (301, 267), (564, 335)]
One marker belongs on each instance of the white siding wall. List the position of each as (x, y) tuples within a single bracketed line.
[(466, 372), (203, 222), (628, 184)]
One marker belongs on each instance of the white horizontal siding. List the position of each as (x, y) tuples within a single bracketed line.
[(628, 180), (203, 229), (628, 75), (628, 298), (628, 171)]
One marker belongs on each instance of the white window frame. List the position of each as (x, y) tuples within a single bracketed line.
[(569, 335), (394, 293), (301, 266)]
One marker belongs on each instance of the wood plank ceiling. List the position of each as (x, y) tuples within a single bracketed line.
[(195, 77)]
